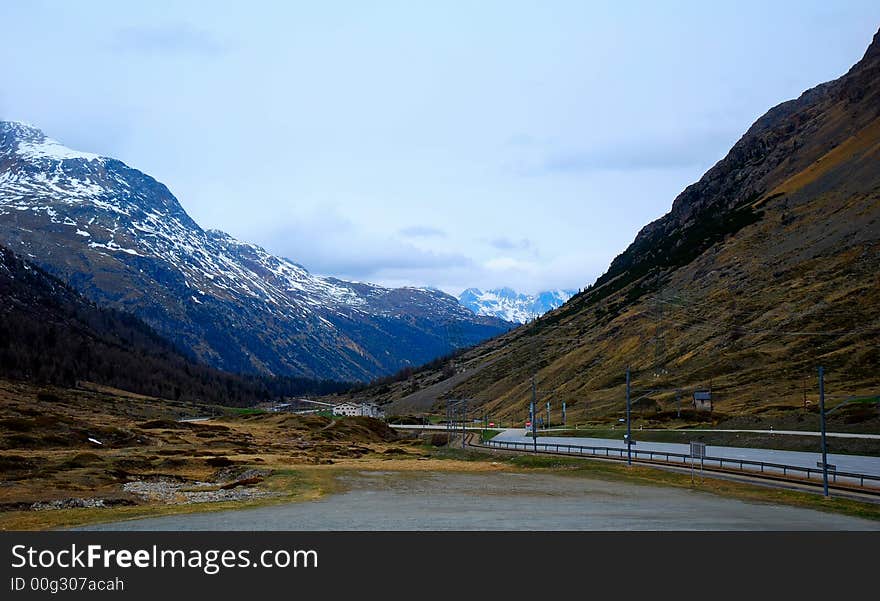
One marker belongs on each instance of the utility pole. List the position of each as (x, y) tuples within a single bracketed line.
[(547, 425), (532, 415), (463, 421), (822, 424), (563, 413), (628, 430)]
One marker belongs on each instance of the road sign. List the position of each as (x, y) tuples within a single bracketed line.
[(831, 468)]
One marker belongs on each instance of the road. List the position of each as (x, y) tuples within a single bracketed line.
[(783, 432), (419, 501), (786, 432), (845, 463)]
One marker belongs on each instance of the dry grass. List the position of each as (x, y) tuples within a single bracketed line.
[(302, 457), (46, 454)]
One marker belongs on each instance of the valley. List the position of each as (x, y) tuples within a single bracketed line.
[(95, 455), (155, 374)]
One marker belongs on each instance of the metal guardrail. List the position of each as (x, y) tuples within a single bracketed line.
[(670, 457)]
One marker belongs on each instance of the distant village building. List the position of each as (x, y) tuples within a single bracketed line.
[(703, 400), (372, 410), (349, 409), (359, 409)]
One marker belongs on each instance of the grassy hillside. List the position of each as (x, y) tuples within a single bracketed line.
[(764, 269)]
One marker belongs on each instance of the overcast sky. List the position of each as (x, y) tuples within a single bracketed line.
[(447, 144)]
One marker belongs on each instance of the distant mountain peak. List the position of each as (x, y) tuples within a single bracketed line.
[(510, 305)]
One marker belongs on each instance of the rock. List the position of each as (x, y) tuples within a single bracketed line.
[(243, 482), (66, 504)]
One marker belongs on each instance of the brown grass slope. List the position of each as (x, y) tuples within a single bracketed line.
[(762, 270)]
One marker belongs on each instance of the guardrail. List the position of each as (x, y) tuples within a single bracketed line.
[(683, 458)]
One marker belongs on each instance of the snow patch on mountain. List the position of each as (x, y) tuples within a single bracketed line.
[(52, 149)]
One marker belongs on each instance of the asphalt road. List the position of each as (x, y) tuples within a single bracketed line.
[(784, 432), (381, 501), (845, 463)]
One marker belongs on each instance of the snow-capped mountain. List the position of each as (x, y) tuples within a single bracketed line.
[(123, 239), (510, 305)]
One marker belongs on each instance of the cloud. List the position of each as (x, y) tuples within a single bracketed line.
[(504, 243), (422, 231), (521, 139), (327, 242), (175, 39), (654, 150), (330, 244)]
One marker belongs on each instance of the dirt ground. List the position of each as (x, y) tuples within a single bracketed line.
[(98, 449)]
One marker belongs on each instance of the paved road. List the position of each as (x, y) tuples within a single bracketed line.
[(845, 463), (382, 501), (783, 432)]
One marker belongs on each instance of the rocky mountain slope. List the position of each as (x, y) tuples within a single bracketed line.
[(509, 305), (764, 269), (50, 334), (122, 239)]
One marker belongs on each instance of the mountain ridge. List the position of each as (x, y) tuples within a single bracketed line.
[(122, 238)]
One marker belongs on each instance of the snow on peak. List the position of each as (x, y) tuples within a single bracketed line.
[(34, 144), (52, 149), (510, 305)]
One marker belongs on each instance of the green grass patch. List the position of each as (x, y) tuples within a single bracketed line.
[(458, 454), (488, 434), (244, 411)]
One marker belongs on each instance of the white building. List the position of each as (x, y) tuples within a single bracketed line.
[(358, 409), (372, 410), (347, 409)]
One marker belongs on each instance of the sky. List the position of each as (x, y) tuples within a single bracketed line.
[(445, 144)]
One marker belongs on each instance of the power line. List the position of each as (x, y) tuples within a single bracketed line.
[(713, 326), (812, 313), (746, 332)]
